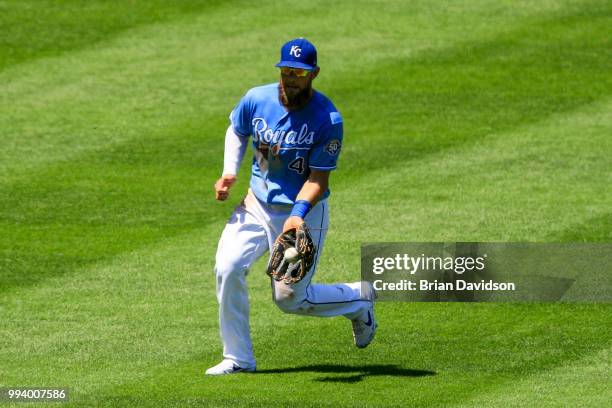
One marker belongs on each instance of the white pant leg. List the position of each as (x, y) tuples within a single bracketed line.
[(242, 242), (317, 299)]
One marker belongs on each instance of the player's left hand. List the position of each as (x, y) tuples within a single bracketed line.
[(292, 267), (292, 222)]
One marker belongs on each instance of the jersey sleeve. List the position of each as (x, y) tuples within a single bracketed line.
[(240, 117), (324, 154)]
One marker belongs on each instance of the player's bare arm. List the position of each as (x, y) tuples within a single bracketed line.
[(312, 191)]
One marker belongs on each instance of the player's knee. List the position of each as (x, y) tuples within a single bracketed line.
[(288, 305), (288, 300)]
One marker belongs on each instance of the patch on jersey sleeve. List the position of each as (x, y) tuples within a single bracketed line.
[(335, 117), (333, 147)]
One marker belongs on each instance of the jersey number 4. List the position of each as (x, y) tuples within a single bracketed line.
[(297, 165)]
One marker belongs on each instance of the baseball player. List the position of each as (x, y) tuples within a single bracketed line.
[(296, 133)]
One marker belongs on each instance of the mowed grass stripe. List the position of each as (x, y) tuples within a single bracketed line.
[(117, 187), (531, 183), (113, 320), (128, 86), (597, 228), (464, 359), (44, 28), (444, 98), (89, 210), (421, 106), (579, 383), (137, 85)]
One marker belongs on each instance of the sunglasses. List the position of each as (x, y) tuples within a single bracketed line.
[(299, 72)]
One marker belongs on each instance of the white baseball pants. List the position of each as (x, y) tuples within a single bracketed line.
[(249, 234)]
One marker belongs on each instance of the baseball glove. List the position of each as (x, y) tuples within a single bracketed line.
[(292, 271)]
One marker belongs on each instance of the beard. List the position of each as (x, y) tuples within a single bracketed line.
[(294, 98)]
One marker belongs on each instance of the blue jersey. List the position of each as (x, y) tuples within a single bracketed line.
[(287, 144)]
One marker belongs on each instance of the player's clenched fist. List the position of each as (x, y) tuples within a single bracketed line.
[(222, 186)]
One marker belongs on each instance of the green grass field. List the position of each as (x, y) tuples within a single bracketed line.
[(464, 121)]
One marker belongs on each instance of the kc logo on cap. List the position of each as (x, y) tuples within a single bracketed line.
[(298, 53)]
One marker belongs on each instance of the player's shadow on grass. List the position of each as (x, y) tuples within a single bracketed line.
[(358, 373)]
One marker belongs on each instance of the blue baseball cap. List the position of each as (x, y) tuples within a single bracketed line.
[(298, 53)]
